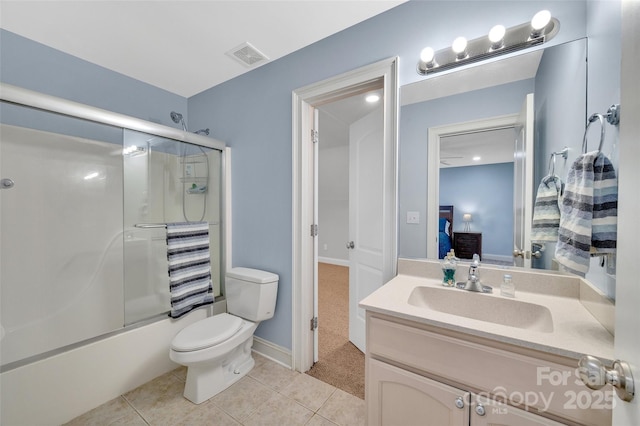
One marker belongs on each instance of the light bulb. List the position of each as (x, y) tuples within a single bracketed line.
[(459, 47), (372, 98), (540, 20), (427, 55), (496, 36)]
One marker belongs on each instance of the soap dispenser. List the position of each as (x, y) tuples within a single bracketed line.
[(449, 269)]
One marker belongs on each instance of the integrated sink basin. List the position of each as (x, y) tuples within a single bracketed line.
[(482, 307)]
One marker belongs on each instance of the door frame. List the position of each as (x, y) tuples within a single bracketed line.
[(303, 255), (435, 135)]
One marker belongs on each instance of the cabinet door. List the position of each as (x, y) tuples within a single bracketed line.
[(399, 397), (487, 412)]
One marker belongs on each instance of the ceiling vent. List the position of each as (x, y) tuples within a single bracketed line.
[(247, 55)]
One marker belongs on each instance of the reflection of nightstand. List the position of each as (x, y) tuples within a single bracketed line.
[(466, 244)]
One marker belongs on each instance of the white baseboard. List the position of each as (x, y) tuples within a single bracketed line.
[(272, 351), (332, 261)]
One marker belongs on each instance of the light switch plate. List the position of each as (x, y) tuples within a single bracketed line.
[(413, 217)]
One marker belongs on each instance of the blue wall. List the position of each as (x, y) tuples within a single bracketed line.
[(485, 191)]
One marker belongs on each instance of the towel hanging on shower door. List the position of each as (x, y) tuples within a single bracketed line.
[(189, 266)]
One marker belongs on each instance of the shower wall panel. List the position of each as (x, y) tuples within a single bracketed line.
[(61, 272)]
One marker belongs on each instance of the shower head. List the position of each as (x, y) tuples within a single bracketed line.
[(177, 118)]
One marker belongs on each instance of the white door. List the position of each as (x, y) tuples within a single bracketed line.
[(366, 215), (523, 185), (627, 340)]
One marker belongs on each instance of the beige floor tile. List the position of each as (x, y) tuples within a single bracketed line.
[(259, 359), (308, 391), (106, 414), (279, 410), (273, 374), (180, 373), (207, 414), (132, 419), (243, 398), (160, 401), (344, 409), (318, 420)]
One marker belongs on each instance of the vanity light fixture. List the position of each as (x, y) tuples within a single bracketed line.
[(542, 28)]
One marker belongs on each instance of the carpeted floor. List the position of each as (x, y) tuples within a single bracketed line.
[(340, 363)]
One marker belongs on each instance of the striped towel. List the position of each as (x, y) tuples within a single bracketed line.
[(588, 214), (189, 267), (546, 211), (604, 229)]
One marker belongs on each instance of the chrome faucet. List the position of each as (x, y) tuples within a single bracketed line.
[(473, 280)]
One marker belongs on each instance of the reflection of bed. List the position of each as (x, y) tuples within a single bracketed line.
[(445, 231)]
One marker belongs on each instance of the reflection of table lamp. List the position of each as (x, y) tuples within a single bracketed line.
[(466, 218)]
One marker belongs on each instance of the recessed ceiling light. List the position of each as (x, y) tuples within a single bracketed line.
[(372, 98), (477, 158)]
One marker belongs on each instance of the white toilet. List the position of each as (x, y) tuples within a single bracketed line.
[(217, 349)]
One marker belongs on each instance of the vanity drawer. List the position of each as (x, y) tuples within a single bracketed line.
[(538, 385)]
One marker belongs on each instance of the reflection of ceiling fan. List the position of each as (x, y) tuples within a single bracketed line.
[(447, 158)]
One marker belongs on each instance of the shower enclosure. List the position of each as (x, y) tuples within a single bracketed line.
[(84, 198)]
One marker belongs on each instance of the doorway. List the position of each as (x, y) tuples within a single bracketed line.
[(305, 201), (342, 126)]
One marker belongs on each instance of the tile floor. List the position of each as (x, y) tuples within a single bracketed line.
[(269, 395)]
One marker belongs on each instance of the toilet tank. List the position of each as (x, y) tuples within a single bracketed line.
[(251, 293)]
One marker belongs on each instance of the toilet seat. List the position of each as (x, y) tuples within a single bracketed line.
[(206, 333)]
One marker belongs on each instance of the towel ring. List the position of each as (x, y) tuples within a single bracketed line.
[(593, 118), (564, 153), (551, 170)]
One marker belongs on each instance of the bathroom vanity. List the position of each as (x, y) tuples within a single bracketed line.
[(445, 356)]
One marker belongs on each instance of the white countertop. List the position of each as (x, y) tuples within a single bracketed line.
[(575, 331)]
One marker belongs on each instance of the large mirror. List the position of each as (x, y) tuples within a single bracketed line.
[(458, 153)]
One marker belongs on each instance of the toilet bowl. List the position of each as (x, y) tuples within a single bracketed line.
[(217, 349)]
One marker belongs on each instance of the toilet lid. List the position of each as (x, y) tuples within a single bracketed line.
[(207, 332)]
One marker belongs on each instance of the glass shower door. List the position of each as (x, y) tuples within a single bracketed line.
[(165, 181)]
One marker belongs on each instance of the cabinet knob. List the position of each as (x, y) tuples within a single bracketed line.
[(480, 410), (460, 402)]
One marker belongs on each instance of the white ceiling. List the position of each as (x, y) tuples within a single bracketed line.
[(493, 146), (180, 45)]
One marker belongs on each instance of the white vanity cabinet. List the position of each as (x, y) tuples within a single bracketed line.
[(400, 397), (418, 374)]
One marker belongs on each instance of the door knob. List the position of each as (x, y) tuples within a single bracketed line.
[(518, 253), (6, 183), (351, 245), (595, 375)]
